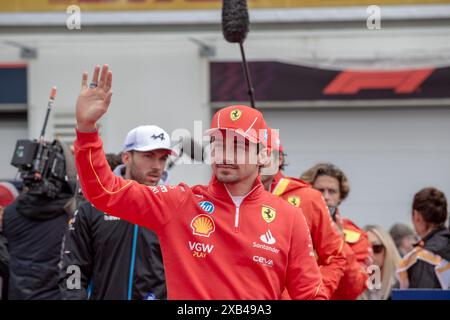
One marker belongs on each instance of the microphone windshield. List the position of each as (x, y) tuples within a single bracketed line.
[(235, 20)]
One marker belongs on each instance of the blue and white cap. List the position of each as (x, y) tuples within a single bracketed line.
[(147, 138)]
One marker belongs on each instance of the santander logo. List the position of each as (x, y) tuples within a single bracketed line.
[(268, 238)]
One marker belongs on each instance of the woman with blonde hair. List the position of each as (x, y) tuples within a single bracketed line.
[(386, 257)]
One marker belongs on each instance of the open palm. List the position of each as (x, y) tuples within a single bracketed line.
[(93, 100)]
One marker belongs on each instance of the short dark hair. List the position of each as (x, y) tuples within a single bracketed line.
[(399, 231), (282, 165), (114, 160), (259, 145), (431, 204)]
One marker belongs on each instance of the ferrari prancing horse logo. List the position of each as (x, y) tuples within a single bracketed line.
[(268, 213), (235, 114), (295, 201)]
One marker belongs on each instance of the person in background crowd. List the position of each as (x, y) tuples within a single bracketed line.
[(8, 193), (404, 238), (327, 241), (427, 265), (387, 258), (334, 185), (34, 226), (115, 160), (119, 260)]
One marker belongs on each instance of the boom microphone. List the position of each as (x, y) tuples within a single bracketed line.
[(235, 25), (235, 20)]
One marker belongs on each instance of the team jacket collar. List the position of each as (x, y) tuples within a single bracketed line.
[(219, 191), (276, 179), (282, 184)]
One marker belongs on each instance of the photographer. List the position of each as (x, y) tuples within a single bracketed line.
[(35, 222)]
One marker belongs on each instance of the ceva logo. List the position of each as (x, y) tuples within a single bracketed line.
[(207, 206), (263, 261)]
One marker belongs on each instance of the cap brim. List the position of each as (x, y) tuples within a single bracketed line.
[(212, 131), (146, 149)]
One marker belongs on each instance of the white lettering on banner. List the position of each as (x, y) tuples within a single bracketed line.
[(373, 21), (73, 22)]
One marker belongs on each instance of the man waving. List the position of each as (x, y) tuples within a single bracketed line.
[(230, 239)]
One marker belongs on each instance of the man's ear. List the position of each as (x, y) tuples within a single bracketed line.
[(417, 217), (264, 157), (126, 157), (281, 158)]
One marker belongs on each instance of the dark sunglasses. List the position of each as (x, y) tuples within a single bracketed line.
[(377, 248)]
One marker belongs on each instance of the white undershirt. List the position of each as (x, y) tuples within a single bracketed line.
[(237, 200)]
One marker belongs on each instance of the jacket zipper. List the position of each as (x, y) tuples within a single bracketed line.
[(236, 215), (133, 262), (236, 218)]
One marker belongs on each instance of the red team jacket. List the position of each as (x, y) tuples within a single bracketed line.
[(327, 242), (357, 249), (211, 249)]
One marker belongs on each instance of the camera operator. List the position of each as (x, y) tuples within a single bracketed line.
[(34, 224)]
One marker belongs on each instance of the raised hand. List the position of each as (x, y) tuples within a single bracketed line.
[(93, 100)]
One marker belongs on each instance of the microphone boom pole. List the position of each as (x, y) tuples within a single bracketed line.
[(251, 91)]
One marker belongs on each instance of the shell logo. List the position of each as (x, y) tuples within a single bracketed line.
[(203, 225)]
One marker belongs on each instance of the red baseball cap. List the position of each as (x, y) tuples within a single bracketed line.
[(273, 141), (8, 193), (243, 120)]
